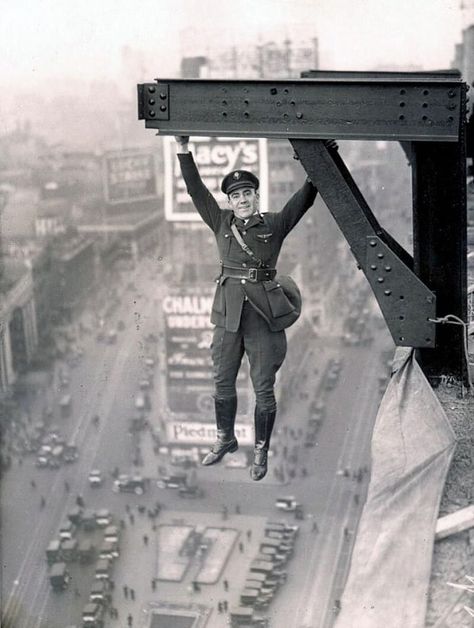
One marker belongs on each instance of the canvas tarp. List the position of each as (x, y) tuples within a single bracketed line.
[(412, 447)]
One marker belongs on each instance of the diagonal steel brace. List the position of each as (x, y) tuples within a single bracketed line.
[(407, 304)]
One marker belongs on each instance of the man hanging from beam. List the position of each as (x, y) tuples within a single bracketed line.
[(250, 310)]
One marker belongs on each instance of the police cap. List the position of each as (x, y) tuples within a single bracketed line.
[(239, 179)]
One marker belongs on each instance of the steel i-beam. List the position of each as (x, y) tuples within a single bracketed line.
[(416, 108)]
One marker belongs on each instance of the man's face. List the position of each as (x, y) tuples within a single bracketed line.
[(244, 202)]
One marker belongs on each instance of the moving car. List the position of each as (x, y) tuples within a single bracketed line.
[(71, 453), (95, 478), (67, 530), (130, 484), (173, 481), (287, 503), (190, 491), (103, 518)]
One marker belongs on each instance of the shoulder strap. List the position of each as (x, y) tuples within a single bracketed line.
[(246, 248)]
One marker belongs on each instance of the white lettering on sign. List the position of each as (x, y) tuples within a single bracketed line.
[(187, 304), (215, 157), (181, 359), (225, 155), (203, 433), (188, 322)]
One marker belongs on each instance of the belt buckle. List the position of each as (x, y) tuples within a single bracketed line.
[(253, 274)]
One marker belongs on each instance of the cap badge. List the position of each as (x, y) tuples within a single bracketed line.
[(236, 175)]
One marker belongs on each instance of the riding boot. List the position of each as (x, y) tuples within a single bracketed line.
[(225, 419), (264, 422)]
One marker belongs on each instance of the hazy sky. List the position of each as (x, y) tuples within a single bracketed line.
[(44, 39)]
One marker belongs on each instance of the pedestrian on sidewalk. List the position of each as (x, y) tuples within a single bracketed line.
[(145, 539), (132, 594), (129, 620), (241, 547), (249, 535), (33, 484), (125, 590), (225, 582)]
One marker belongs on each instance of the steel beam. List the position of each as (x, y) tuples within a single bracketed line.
[(401, 107), (406, 303), (425, 111), (440, 247)]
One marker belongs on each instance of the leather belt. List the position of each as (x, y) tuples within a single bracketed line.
[(250, 274)]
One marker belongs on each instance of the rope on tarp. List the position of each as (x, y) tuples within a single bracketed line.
[(451, 319)]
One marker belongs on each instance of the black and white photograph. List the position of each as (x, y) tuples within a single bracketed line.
[(237, 314)]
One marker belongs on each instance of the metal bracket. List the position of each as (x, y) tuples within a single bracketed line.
[(153, 101), (406, 303)]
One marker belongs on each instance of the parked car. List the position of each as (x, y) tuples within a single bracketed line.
[(112, 533), (109, 549), (53, 552), (86, 552), (59, 576), (103, 569), (100, 593), (92, 615)]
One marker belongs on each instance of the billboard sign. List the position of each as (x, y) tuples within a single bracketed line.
[(199, 433), (214, 157), (129, 175), (188, 338)]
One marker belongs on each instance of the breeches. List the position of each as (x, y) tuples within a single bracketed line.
[(265, 350)]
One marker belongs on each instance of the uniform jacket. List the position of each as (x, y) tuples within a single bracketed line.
[(263, 233)]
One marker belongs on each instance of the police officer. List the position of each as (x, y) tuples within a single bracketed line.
[(247, 317)]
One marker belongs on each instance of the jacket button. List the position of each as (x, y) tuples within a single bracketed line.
[(243, 281), (244, 264), (226, 235), (244, 232)]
